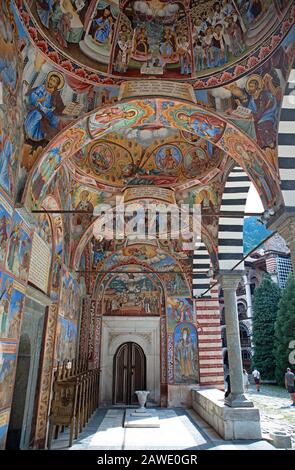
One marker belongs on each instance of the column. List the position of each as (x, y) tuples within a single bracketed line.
[(287, 230), (229, 281), (248, 296)]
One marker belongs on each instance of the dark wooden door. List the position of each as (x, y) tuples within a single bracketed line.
[(129, 373)]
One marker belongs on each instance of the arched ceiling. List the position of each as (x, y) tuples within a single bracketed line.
[(159, 156), (137, 116), (206, 41)]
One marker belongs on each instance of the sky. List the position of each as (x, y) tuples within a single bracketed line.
[(254, 203)]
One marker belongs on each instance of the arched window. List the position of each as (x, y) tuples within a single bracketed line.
[(242, 310), (245, 337)]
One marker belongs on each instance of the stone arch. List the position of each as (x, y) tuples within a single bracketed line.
[(230, 236), (286, 144)]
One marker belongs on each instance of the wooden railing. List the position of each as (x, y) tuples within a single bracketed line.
[(75, 398)]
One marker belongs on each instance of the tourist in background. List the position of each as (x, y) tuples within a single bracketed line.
[(290, 384), (245, 380), (256, 377)]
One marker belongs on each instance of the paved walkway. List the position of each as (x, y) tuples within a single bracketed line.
[(275, 411), (180, 429)]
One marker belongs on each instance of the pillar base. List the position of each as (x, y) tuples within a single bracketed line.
[(238, 400)]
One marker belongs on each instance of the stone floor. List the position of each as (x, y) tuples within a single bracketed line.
[(179, 429), (275, 411)]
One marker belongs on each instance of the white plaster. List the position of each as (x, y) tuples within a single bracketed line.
[(143, 331)]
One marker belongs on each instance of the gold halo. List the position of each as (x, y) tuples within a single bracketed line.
[(59, 75), (257, 78)]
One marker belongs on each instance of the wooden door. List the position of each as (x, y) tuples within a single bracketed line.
[(129, 373)]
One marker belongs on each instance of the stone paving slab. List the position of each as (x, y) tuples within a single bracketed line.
[(133, 420)]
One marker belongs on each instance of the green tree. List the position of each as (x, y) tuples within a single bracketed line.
[(284, 329), (265, 307)]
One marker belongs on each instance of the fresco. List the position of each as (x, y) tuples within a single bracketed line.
[(179, 310), (5, 227), (4, 422), (185, 354), (11, 112), (50, 203), (19, 248), (153, 38), (174, 39), (7, 371), (12, 298), (131, 294), (69, 290), (66, 338), (128, 158)]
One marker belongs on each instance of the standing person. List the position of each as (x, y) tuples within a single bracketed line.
[(290, 384), (245, 380), (256, 376)]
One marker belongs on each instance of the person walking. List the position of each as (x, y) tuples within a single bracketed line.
[(290, 384), (256, 377), (245, 380)]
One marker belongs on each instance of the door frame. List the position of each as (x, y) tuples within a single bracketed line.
[(145, 332)]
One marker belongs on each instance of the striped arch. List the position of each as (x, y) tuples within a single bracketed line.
[(286, 143), (201, 263), (230, 236)]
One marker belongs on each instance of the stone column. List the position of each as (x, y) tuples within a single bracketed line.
[(229, 281), (287, 230), (248, 296)]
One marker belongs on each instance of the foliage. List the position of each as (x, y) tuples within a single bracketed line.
[(265, 307)]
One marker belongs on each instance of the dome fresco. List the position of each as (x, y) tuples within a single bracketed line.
[(178, 40)]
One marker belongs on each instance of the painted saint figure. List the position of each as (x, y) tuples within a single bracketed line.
[(184, 355), (103, 32), (45, 107), (5, 301), (14, 240), (205, 126), (4, 227)]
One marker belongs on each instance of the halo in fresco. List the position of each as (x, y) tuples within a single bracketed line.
[(101, 158), (168, 158), (195, 162)]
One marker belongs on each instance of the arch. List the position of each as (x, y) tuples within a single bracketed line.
[(244, 336), (286, 143), (242, 309), (230, 234), (134, 113), (201, 263)]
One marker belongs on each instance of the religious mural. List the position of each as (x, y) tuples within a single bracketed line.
[(4, 422), (185, 353), (11, 110), (115, 163), (66, 338), (174, 39), (5, 226), (12, 298), (7, 371), (132, 294), (19, 248)]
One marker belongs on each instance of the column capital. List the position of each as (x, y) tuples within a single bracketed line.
[(229, 280)]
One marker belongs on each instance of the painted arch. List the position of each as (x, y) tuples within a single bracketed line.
[(160, 113)]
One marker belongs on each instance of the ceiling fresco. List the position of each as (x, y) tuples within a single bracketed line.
[(208, 42), (128, 159), (188, 118)]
